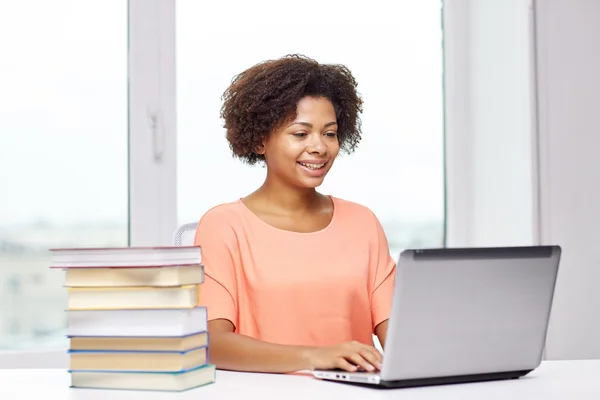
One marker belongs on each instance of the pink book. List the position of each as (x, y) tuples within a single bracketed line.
[(125, 257)]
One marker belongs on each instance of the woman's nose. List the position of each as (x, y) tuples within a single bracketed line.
[(316, 144)]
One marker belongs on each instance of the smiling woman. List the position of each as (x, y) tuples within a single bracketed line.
[(395, 54), (280, 294), (273, 104), (312, 145)]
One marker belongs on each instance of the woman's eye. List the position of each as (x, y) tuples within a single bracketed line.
[(332, 134), (299, 134)]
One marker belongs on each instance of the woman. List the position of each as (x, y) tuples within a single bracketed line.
[(294, 279)]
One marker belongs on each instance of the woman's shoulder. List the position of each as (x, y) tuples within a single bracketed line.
[(351, 209), (219, 224), (221, 215)]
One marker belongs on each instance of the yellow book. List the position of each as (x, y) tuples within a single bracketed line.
[(152, 381), (114, 298), (133, 277), (155, 361), (181, 343)]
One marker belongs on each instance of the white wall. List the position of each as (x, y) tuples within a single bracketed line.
[(523, 138), (568, 72)]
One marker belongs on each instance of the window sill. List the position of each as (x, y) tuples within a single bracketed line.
[(41, 359)]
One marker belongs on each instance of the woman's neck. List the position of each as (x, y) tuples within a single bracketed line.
[(287, 199)]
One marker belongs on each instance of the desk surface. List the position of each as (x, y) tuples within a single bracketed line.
[(552, 380)]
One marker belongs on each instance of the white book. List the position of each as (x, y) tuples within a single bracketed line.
[(137, 323), (111, 257)]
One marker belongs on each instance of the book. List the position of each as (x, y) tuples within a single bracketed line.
[(132, 297), (134, 320), (157, 276), (153, 381), (130, 360), (132, 343), (137, 323), (125, 257)]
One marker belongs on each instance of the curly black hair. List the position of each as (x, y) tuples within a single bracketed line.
[(266, 95)]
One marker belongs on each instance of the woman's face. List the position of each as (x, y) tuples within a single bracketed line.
[(301, 152)]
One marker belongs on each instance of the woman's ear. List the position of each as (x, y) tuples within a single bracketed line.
[(260, 149)]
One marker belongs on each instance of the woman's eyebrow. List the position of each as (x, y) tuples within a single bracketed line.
[(308, 124)]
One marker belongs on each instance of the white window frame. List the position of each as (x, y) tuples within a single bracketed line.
[(491, 142), (152, 123)]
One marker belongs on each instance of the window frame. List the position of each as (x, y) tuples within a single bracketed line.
[(491, 197), (152, 123)]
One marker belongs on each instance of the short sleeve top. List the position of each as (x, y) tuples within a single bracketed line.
[(315, 289)]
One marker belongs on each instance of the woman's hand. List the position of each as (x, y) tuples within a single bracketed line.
[(350, 357)]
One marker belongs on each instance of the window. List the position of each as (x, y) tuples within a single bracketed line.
[(64, 126), (63, 152), (396, 56)]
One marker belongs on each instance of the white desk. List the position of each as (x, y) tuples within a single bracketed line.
[(553, 380)]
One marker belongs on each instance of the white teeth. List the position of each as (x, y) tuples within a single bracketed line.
[(313, 166)]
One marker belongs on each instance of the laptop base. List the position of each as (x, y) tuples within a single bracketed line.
[(445, 380)]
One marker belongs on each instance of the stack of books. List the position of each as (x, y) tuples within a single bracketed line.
[(133, 318)]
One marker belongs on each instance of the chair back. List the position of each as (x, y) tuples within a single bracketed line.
[(184, 235)]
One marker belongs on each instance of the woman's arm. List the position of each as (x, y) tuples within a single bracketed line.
[(381, 332), (383, 271), (232, 351)]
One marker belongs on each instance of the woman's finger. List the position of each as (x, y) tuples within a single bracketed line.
[(371, 357), (358, 360), (345, 365)]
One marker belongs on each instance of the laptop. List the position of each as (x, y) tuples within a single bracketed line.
[(464, 315)]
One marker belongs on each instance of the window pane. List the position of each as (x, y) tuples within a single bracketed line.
[(63, 152), (396, 56)]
